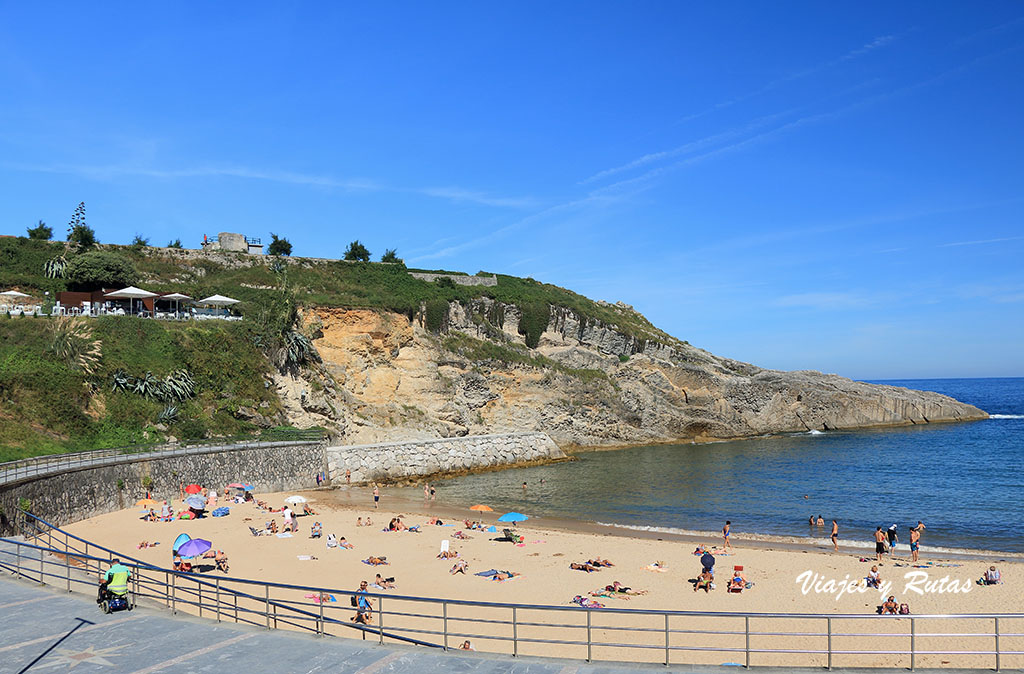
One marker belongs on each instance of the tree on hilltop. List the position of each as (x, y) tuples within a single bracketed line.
[(357, 252), (391, 255), (174, 244), (79, 232), (279, 246), (99, 269), (40, 232)]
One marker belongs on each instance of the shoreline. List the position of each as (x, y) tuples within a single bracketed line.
[(756, 541)]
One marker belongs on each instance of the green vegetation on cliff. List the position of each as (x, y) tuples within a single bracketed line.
[(328, 283), (50, 404)]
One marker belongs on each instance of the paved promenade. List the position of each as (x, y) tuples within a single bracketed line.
[(45, 629)]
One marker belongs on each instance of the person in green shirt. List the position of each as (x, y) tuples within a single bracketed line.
[(115, 580)]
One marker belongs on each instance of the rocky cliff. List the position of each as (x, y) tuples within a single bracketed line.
[(386, 377)]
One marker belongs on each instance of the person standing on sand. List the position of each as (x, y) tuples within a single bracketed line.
[(915, 538), (879, 544), (348, 476), (835, 535), (426, 490), (376, 495), (893, 540), (726, 530)]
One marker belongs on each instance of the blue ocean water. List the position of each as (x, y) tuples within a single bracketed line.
[(964, 480)]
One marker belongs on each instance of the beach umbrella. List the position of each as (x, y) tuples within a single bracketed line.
[(131, 293), (194, 547), (219, 301), (513, 517), (180, 541), (196, 502), (236, 485), (177, 297), (148, 503), (193, 489), (248, 487), (295, 500), (13, 293), (482, 508)]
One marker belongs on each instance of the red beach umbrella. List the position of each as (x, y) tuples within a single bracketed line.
[(193, 489)]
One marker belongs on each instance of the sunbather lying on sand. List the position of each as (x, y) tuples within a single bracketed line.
[(581, 566), (447, 554), (599, 562), (622, 589), (460, 566), (375, 561), (383, 583), (461, 536)]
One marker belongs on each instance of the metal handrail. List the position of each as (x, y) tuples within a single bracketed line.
[(251, 602), (51, 464)]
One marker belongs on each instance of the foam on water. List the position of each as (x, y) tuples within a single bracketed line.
[(1006, 416), (815, 431)]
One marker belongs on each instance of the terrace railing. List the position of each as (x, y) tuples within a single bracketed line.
[(50, 555), (40, 466)]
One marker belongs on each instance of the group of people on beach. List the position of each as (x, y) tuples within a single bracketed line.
[(886, 541)]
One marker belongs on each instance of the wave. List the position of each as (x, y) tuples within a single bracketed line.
[(815, 431), (1006, 416), (810, 541)]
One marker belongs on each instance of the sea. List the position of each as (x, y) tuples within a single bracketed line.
[(965, 481)]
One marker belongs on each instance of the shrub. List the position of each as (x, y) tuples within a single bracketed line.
[(191, 429), (139, 242), (24, 504), (56, 267), (90, 271), (533, 321), (357, 252), (279, 246), (174, 244), (391, 255), (623, 358), (435, 317), (40, 232)]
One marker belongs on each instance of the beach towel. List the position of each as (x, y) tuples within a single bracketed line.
[(586, 603), (493, 529), (221, 512), (316, 598), (284, 535), (305, 558)]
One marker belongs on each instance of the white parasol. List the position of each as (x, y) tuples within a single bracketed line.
[(219, 301), (177, 297), (13, 293), (131, 293)]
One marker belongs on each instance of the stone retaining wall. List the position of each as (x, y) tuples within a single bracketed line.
[(79, 494), (398, 460), (458, 279)]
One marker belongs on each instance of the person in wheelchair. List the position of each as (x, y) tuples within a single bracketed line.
[(114, 586)]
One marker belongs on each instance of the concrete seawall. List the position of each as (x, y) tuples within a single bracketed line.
[(86, 492), (398, 460)]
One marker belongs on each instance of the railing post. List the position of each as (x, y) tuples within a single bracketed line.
[(174, 603), (666, 642), (218, 599), (199, 586), (266, 603), (997, 644), (913, 643), (746, 647), (444, 622), (236, 606), (67, 569), (42, 580), (515, 633), (380, 620), (829, 642), (590, 642), (17, 564), (320, 625)]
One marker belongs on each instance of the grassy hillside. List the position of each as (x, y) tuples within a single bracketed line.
[(317, 282), (48, 404)]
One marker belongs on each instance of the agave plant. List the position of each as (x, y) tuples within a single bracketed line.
[(148, 386), (179, 385), (299, 349), (168, 415), (122, 381), (71, 341), (56, 267)]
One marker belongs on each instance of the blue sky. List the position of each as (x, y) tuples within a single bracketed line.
[(796, 185)]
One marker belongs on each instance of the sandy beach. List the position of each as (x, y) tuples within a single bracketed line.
[(785, 578)]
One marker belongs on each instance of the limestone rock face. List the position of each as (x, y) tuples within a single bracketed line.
[(586, 384)]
